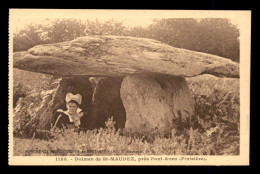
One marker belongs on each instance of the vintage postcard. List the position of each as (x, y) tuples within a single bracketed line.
[(129, 87)]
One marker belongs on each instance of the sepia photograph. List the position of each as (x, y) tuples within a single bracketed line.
[(129, 87)]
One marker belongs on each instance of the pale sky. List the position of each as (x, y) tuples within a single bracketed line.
[(21, 17)]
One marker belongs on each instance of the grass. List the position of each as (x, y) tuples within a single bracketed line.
[(108, 141)]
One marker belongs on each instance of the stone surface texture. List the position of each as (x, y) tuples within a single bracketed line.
[(153, 102), (120, 56)]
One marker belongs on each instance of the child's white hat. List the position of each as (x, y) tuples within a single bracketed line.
[(77, 97)]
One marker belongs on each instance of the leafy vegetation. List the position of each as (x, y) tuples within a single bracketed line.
[(18, 93), (218, 116)]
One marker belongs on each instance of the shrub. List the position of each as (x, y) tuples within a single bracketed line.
[(219, 117), (18, 93)]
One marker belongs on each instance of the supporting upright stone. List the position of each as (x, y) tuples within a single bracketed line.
[(152, 102)]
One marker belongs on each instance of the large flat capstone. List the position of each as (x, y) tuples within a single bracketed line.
[(120, 56)]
